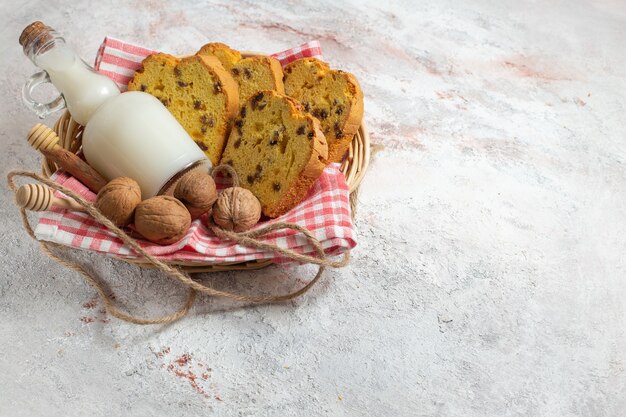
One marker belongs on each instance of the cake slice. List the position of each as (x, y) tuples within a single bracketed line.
[(228, 57), (277, 150), (334, 97), (197, 90), (252, 74)]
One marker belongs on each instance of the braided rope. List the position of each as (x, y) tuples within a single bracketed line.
[(249, 239)]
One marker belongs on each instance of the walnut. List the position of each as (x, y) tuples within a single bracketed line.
[(118, 199), (236, 209), (196, 190), (162, 219)]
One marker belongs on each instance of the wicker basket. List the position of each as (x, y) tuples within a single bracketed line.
[(353, 167)]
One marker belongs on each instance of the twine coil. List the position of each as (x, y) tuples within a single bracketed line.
[(249, 238)]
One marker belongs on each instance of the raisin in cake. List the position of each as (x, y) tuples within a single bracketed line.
[(197, 90), (252, 74), (277, 150), (334, 97)]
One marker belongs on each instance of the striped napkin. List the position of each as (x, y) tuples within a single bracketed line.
[(325, 211)]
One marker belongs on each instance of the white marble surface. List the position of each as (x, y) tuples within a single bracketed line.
[(490, 275)]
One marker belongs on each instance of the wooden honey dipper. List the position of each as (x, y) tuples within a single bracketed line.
[(38, 197), (45, 140)]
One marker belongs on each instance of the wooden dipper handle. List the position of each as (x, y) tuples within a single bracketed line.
[(77, 167), (45, 140), (38, 197)]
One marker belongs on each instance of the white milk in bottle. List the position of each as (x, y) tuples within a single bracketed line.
[(126, 134), (83, 89)]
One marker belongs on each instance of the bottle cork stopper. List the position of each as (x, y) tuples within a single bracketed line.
[(35, 34), (42, 138)]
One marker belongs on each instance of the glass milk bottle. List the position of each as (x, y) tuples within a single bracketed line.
[(126, 134)]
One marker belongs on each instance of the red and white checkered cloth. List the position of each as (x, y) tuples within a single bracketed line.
[(325, 211)]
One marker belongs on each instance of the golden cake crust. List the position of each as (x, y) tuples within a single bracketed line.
[(224, 53), (333, 96), (252, 74)]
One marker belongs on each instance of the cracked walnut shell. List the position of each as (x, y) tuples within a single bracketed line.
[(162, 219), (236, 209)]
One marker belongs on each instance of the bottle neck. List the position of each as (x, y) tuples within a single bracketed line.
[(54, 56), (82, 88)]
